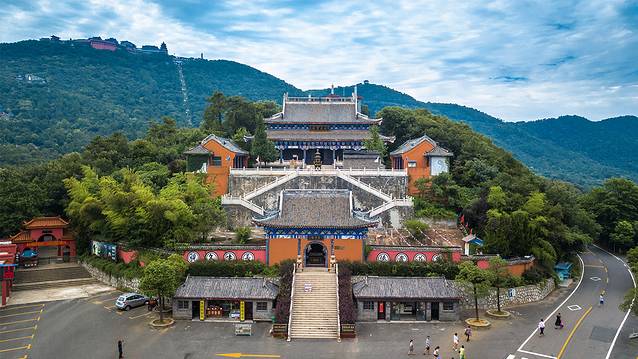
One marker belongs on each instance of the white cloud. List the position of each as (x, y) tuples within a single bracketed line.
[(512, 60)]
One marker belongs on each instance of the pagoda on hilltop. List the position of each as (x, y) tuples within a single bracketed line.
[(310, 128)]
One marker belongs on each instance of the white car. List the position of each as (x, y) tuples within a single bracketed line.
[(127, 301)]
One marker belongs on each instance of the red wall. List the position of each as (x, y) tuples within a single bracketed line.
[(126, 256), (429, 253), (259, 254)]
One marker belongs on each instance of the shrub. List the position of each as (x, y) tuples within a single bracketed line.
[(226, 269), (534, 275), (242, 235), (346, 301), (445, 269), (114, 269), (416, 228), (282, 308)]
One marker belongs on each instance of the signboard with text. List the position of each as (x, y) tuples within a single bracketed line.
[(104, 250)]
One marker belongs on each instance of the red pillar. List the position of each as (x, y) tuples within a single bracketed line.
[(5, 292)]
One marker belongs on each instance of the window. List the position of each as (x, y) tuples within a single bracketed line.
[(216, 161), (182, 304), (262, 306), (319, 127), (448, 305), (368, 305), (411, 164)]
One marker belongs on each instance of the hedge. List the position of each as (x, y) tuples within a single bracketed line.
[(445, 269), (282, 308), (346, 301), (114, 269), (230, 269)]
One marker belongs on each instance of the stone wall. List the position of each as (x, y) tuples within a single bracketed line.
[(128, 284), (521, 295)]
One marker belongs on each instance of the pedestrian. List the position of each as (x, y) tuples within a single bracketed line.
[(559, 322), (411, 350), (601, 299), (462, 352), (119, 349), (427, 346), (541, 327), (436, 353), (455, 342), (468, 332)]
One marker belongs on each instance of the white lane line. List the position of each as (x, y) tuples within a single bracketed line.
[(582, 272), (613, 342), (537, 354), (510, 356)]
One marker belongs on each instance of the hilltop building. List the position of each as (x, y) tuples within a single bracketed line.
[(422, 157), (319, 127)]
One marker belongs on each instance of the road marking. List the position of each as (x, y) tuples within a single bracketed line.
[(510, 356), (12, 339), (22, 307), (141, 315), (537, 354), (571, 334), (595, 279), (594, 266), (240, 355), (582, 272), (574, 307), (19, 329), (613, 342), (14, 349), (17, 314), (21, 321)]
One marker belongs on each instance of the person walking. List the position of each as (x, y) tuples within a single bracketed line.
[(436, 353), (601, 299), (541, 327), (462, 352), (455, 342), (427, 346), (120, 349), (468, 333), (559, 322), (411, 350)]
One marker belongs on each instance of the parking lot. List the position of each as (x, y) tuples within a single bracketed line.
[(18, 327)]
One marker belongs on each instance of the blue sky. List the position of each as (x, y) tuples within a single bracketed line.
[(517, 60)]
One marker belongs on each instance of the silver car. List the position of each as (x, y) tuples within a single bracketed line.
[(127, 301)]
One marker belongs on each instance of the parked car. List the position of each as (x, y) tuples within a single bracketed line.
[(127, 301)]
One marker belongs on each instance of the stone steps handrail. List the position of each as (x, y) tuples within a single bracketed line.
[(399, 202), (364, 186), (292, 296), (309, 171), (230, 200), (265, 188)]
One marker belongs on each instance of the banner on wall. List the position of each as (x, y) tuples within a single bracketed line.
[(104, 250)]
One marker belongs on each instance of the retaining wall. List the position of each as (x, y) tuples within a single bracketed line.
[(520, 295), (132, 284)]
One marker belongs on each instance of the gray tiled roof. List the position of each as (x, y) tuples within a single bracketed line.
[(336, 135), (227, 288), (320, 112), (405, 288), (198, 150), (439, 151), (410, 144), (228, 144), (316, 208)]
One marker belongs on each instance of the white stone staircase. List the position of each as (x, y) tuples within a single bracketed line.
[(364, 186), (263, 189), (314, 312), (397, 202), (239, 201)]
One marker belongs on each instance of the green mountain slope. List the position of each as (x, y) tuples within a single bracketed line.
[(80, 92)]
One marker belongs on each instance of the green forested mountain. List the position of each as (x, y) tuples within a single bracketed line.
[(80, 92)]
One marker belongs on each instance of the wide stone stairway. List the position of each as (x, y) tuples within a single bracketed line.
[(52, 276), (314, 305)]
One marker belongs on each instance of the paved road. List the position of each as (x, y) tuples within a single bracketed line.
[(590, 328)]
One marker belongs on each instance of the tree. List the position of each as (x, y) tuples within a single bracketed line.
[(496, 198), (623, 235), (162, 277), (470, 275), (262, 147), (214, 113), (375, 143), (500, 277), (240, 138), (629, 302), (242, 235)]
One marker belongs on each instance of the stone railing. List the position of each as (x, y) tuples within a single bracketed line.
[(116, 282), (310, 171)]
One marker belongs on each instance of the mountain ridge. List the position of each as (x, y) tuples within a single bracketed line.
[(85, 92)]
